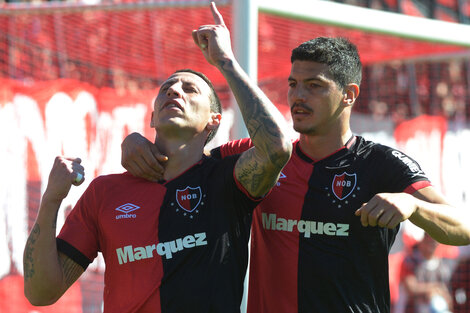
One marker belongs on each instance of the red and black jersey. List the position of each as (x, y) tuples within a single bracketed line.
[(179, 246), (309, 252)]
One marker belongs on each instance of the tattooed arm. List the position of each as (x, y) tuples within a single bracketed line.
[(258, 168), (47, 272)]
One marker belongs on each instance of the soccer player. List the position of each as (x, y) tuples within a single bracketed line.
[(320, 240), (181, 244)]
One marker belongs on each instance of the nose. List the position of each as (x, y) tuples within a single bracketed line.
[(174, 90), (296, 94)]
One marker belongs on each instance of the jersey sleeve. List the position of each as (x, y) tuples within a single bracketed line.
[(400, 173), (78, 238), (240, 195), (232, 148)]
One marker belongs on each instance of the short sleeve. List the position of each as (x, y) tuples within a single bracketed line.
[(239, 194), (78, 238), (232, 148), (399, 172)]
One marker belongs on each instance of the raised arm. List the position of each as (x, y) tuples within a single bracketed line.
[(258, 168), (48, 273)]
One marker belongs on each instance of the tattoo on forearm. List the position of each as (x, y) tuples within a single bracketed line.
[(262, 126), (257, 171), (28, 263), (256, 175), (70, 269), (252, 174), (258, 117), (277, 159)]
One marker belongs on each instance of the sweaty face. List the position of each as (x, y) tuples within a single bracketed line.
[(182, 105), (314, 98)]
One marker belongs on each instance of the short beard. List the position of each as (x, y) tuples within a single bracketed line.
[(306, 130)]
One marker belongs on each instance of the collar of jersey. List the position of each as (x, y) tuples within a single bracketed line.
[(298, 150)]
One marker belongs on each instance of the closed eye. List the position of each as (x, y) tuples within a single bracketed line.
[(190, 90)]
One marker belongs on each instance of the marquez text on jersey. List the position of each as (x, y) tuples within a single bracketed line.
[(309, 252), (179, 246)]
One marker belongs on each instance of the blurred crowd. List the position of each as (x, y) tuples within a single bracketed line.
[(400, 90), (433, 282)]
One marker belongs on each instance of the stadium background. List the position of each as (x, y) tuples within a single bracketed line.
[(76, 77)]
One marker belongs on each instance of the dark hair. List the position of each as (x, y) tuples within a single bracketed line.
[(215, 103), (338, 53)]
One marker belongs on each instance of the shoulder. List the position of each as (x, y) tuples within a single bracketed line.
[(363, 146), (232, 147), (369, 148), (111, 178), (227, 161), (387, 159), (112, 181)]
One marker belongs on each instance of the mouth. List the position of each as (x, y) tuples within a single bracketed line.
[(172, 104), (300, 110)]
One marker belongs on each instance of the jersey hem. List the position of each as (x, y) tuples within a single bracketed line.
[(73, 253), (417, 186)]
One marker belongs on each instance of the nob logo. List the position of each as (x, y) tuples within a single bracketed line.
[(343, 185), (189, 198)]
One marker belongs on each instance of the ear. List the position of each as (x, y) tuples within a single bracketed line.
[(351, 92), (214, 121), (152, 124)]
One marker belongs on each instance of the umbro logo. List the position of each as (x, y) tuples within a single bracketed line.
[(126, 209), (281, 175)]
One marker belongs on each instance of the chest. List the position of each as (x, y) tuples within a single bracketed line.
[(196, 205), (316, 204), (324, 191)]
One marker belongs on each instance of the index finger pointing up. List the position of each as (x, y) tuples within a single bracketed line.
[(218, 19)]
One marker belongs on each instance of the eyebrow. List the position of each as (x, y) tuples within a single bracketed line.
[(184, 81), (169, 81), (290, 78)]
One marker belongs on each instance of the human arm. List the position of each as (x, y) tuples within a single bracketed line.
[(426, 208), (258, 168), (47, 272), (142, 158)]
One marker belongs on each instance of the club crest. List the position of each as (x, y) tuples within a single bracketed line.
[(189, 198), (343, 185)]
